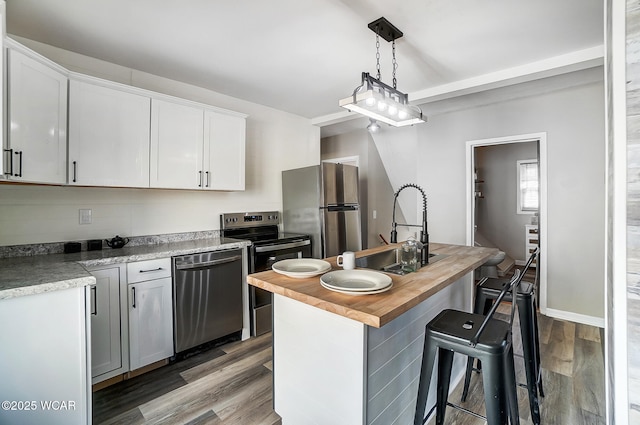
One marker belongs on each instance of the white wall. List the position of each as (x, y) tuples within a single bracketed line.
[(570, 109), (276, 141)]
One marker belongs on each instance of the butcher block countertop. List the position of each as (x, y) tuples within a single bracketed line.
[(379, 309)]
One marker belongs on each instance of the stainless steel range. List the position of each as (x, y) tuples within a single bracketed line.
[(268, 245)]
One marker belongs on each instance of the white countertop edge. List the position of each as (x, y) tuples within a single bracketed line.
[(47, 287)]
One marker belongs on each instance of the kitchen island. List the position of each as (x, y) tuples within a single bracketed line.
[(346, 359)]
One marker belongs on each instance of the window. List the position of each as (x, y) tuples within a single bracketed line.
[(528, 186)]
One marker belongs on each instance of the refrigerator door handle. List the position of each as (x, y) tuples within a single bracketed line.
[(333, 208)]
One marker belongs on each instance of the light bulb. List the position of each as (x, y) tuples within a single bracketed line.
[(382, 106), (402, 114), (393, 110), (370, 101)]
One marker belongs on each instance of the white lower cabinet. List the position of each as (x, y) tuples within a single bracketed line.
[(150, 312), (109, 353), (44, 360)]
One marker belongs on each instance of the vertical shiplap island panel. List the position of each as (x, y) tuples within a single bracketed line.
[(394, 358)]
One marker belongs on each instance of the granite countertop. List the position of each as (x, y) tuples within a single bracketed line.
[(44, 273), (379, 309)]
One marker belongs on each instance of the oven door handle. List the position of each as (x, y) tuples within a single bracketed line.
[(270, 248), (208, 264)]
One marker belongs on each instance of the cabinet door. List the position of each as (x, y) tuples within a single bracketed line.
[(150, 322), (176, 146), (224, 151), (37, 103), (108, 136), (106, 349)]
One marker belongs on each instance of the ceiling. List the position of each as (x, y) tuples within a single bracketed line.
[(301, 56)]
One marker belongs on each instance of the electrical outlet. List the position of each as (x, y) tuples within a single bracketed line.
[(85, 216)]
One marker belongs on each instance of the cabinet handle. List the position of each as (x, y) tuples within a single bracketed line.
[(19, 162), (94, 290), (207, 173), (152, 270), (133, 290), (200, 178), (10, 161), (74, 171)]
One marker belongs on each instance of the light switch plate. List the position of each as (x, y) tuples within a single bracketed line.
[(85, 216)]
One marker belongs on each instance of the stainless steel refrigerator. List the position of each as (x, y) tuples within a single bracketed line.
[(322, 201)]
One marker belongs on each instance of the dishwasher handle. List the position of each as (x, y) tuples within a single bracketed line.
[(207, 264)]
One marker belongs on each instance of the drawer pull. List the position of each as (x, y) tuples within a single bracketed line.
[(151, 270)]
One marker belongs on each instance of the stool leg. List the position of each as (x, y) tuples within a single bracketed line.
[(428, 360), (527, 330), (467, 379), (482, 305), (511, 389), (536, 335), (445, 361), (494, 390)]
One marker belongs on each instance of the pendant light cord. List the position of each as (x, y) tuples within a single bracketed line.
[(378, 52), (394, 64)]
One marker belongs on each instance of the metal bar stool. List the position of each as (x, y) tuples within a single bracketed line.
[(487, 293), (478, 336)]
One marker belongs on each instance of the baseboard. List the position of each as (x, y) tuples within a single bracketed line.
[(574, 317)]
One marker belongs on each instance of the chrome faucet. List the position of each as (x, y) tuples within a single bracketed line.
[(424, 236)]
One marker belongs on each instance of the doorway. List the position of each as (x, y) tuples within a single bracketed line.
[(514, 222)]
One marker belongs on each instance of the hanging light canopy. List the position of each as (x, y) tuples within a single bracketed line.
[(377, 100)]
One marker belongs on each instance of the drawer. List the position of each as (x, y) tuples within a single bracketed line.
[(141, 271)]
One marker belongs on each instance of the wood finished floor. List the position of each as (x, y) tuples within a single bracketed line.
[(229, 385), (232, 385)]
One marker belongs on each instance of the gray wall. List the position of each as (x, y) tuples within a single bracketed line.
[(573, 118), (570, 110), (496, 212)]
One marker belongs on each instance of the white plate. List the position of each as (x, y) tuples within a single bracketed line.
[(357, 292), (301, 267), (356, 280)]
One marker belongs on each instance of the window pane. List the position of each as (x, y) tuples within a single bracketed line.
[(528, 186)]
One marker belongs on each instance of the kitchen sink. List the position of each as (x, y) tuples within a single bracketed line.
[(389, 261)]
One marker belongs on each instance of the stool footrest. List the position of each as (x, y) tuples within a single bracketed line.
[(467, 411)]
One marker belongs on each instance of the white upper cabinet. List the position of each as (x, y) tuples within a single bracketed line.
[(109, 134), (37, 111), (225, 150), (176, 145), (70, 128), (196, 148)]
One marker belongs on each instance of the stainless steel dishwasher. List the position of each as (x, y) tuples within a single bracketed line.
[(207, 297)]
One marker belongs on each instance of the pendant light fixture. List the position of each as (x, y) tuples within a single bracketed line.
[(377, 100)]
